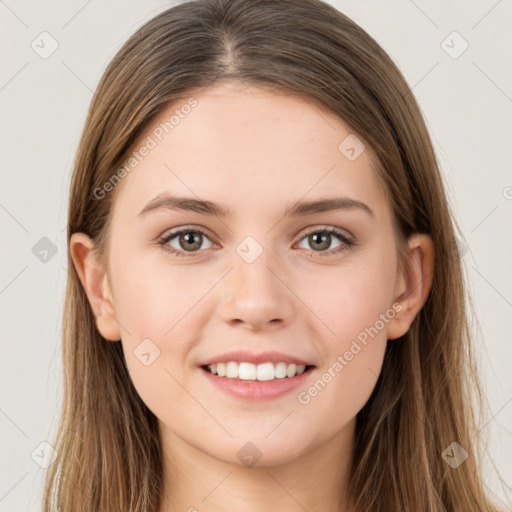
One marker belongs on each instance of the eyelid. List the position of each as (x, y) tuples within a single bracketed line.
[(172, 233), (327, 227), (204, 231), (186, 227)]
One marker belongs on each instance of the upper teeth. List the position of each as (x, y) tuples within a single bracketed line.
[(250, 371)]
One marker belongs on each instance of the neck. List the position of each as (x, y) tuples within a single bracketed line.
[(194, 481)]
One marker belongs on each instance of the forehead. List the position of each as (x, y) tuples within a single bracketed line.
[(249, 147)]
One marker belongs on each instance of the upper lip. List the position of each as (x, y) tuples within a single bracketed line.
[(255, 358)]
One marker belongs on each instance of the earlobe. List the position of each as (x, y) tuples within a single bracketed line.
[(94, 280), (414, 284)]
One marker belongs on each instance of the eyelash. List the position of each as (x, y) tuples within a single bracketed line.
[(348, 243)]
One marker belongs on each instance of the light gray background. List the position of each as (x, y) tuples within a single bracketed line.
[(467, 102)]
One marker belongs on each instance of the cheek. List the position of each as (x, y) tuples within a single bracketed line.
[(155, 357), (151, 305), (162, 307), (354, 305), (351, 299), (154, 300), (353, 352)]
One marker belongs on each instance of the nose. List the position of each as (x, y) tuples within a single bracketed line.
[(257, 295)]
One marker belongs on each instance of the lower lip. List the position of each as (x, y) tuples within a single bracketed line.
[(255, 389)]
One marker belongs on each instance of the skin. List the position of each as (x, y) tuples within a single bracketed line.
[(255, 151)]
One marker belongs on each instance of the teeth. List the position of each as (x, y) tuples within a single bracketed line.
[(280, 370), (291, 370), (246, 371), (250, 371), (232, 370), (265, 371)]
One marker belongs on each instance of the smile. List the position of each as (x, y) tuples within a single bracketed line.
[(261, 372)]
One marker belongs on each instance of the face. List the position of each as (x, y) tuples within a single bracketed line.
[(263, 286)]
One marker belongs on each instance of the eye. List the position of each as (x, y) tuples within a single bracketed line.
[(188, 240), (321, 239)]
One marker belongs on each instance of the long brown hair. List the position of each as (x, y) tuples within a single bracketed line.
[(108, 444)]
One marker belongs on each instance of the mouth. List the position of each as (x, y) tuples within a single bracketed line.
[(245, 371), (257, 382)]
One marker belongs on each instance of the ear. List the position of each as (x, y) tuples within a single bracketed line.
[(95, 283), (413, 285)]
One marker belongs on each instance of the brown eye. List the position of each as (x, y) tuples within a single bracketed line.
[(185, 240), (321, 240), (190, 241)]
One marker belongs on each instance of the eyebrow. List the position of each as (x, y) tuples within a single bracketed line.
[(300, 208)]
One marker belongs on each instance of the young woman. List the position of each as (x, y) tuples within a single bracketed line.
[(265, 307)]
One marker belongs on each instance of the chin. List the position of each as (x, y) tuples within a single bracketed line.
[(258, 451)]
